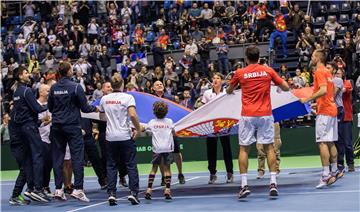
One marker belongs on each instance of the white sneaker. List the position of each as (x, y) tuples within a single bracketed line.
[(60, 195), (212, 179), (326, 181), (80, 195)]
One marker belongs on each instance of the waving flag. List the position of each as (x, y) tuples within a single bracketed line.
[(144, 108), (221, 115)]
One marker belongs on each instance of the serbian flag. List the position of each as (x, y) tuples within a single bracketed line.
[(144, 108), (221, 115)]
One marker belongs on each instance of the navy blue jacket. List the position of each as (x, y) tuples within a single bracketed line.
[(26, 107), (66, 99)]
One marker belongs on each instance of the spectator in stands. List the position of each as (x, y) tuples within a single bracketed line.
[(206, 15), (304, 50), (262, 19), (29, 9), (296, 17), (347, 54), (192, 48), (204, 52), (280, 31), (222, 51), (163, 39), (284, 71), (92, 30), (186, 61), (194, 14), (331, 26), (49, 63), (84, 48), (308, 36), (105, 61), (189, 98), (298, 80), (5, 137)]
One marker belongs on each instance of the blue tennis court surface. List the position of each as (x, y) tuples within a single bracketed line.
[(296, 188)]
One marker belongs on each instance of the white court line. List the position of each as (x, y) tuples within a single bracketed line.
[(101, 203)]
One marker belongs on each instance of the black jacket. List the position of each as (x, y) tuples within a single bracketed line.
[(66, 99), (26, 107)]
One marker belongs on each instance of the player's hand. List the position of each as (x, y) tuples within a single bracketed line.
[(303, 100), (135, 134)]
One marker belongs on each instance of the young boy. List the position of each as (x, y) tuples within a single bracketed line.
[(162, 130)]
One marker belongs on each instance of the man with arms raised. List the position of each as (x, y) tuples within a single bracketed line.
[(256, 115)]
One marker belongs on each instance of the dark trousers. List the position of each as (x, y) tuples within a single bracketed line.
[(103, 148), (60, 135), (211, 144), (47, 164), (30, 152), (93, 155), (344, 144), (22, 155), (122, 151)]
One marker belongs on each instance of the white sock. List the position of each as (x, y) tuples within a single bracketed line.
[(243, 179), (326, 170), (334, 167), (273, 178)]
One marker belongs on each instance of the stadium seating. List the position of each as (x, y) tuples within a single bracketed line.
[(319, 22), (345, 7), (344, 19), (333, 9)]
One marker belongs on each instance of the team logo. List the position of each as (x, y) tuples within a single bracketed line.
[(210, 127)]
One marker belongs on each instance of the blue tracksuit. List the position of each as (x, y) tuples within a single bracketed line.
[(66, 99), (26, 144)]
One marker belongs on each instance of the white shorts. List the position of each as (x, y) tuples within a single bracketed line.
[(326, 128), (67, 153), (263, 126)]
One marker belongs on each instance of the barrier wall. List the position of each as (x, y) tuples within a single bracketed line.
[(235, 52), (295, 142)]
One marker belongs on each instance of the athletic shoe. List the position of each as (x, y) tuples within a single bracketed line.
[(338, 174), (244, 192), (273, 190), (28, 194), (19, 200), (229, 178), (260, 175), (162, 181), (351, 168), (212, 179), (326, 181), (80, 195), (181, 179), (167, 194), (148, 194), (69, 189), (40, 195), (112, 200), (123, 182), (48, 193), (133, 199), (60, 195)]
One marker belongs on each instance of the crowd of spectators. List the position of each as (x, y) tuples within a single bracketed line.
[(94, 34)]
